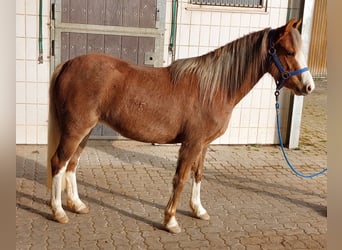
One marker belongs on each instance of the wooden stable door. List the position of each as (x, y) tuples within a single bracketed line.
[(318, 46), (128, 29)]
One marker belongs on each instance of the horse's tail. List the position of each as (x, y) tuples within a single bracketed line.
[(54, 131)]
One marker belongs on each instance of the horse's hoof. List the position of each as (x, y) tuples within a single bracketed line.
[(61, 218), (172, 225), (174, 229), (83, 210), (204, 216)]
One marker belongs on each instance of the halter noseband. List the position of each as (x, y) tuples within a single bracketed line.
[(284, 74)]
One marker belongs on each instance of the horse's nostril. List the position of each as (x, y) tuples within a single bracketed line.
[(309, 89)]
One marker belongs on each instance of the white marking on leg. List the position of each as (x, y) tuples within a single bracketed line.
[(74, 201), (195, 201), (172, 225), (172, 222), (56, 195)]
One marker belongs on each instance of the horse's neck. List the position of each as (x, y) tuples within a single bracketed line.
[(249, 64), (248, 84)]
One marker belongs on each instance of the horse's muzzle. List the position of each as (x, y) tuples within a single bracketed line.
[(309, 88)]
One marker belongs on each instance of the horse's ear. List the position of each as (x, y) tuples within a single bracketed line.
[(291, 24), (284, 30), (297, 24)]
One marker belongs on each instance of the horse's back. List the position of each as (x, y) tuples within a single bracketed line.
[(101, 77), (138, 102)]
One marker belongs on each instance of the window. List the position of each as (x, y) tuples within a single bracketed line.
[(231, 3)]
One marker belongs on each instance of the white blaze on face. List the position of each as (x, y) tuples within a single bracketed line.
[(306, 76)]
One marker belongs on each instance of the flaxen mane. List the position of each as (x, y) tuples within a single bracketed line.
[(227, 67)]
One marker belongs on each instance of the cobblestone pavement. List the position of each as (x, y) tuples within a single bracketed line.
[(253, 199)]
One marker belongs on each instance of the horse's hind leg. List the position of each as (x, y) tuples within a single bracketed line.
[(59, 162), (195, 200), (73, 200)]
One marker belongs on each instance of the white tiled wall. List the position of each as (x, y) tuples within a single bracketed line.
[(202, 30), (199, 31), (32, 79)]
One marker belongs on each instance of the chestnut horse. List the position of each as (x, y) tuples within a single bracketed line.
[(189, 102)]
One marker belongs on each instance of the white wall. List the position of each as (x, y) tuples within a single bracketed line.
[(202, 30), (199, 31)]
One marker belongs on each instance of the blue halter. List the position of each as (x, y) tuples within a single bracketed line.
[(284, 74)]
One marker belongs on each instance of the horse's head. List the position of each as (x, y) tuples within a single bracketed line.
[(286, 59)]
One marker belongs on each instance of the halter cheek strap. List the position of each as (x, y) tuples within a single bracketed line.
[(284, 74)]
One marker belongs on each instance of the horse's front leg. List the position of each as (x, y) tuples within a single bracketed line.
[(195, 200), (188, 155)]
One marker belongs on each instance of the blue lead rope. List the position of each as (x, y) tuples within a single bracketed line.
[(294, 170)]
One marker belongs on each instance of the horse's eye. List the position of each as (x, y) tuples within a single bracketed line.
[(289, 53)]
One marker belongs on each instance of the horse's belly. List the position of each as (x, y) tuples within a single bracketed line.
[(146, 127)]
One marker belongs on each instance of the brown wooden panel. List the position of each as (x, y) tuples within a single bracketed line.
[(96, 12), (113, 12), (317, 60), (65, 46), (147, 13), (146, 44), (129, 48), (78, 44), (103, 130), (95, 43), (112, 45), (65, 11), (97, 130), (108, 131), (78, 11), (130, 13)]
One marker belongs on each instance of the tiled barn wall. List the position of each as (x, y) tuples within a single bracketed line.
[(32, 79), (199, 31), (202, 30)]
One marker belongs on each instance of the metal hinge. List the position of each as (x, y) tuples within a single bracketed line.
[(52, 47), (157, 15), (53, 5)]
